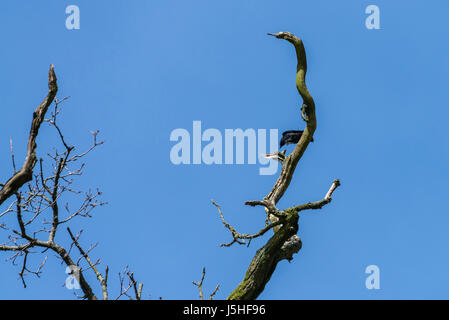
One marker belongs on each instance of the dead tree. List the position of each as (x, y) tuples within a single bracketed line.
[(39, 195), (284, 242)]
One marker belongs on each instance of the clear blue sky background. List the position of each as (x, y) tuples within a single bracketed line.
[(136, 70)]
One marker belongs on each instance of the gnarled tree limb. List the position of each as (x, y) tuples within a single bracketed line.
[(41, 198), (289, 165), (284, 243), (265, 261), (25, 174), (321, 203)]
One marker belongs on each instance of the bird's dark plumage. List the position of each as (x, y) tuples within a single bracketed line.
[(291, 136)]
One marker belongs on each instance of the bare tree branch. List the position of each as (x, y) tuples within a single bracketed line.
[(284, 243), (12, 156), (38, 196), (321, 203), (211, 297), (132, 284), (101, 279), (289, 165), (200, 286), (238, 237), (26, 172)]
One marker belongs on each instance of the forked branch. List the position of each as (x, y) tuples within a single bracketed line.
[(200, 286), (37, 198), (240, 237), (284, 243), (25, 174)]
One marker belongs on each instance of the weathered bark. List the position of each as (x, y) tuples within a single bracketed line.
[(44, 192), (289, 165), (284, 243), (25, 174), (265, 261)]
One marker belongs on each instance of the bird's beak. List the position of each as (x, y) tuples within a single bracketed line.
[(273, 34)]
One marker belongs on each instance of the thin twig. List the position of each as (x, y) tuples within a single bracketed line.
[(89, 261), (240, 237)]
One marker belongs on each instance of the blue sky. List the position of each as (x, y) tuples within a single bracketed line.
[(136, 70)]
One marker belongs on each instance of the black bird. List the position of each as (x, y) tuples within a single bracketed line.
[(291, 136)]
